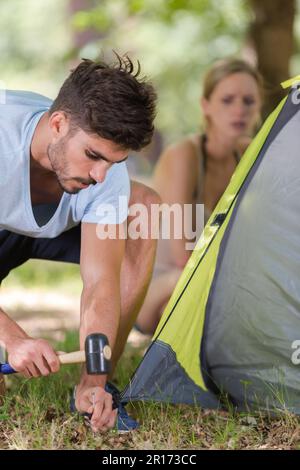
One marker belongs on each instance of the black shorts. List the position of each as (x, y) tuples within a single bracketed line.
[(16, 249)]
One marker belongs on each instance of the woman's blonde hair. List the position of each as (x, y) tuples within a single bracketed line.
[(225, 67)]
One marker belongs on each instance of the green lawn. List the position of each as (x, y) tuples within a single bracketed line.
[(36, 416)]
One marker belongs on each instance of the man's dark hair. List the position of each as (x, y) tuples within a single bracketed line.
[(109, 100)]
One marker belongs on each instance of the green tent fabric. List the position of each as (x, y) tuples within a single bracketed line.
[(230, 324)]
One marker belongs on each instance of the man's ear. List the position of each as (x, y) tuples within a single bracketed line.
[(59, 124)]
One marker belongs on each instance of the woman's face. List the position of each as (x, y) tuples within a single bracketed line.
[(233, 107)]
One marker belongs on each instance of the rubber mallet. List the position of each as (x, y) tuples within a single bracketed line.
[(96, 355)]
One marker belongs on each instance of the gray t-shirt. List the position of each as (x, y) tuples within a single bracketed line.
[(103, 203)]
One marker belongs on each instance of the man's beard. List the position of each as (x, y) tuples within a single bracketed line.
[(57, 157), (65, 189)]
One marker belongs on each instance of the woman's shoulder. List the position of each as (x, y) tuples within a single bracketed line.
[(184, 151), (178, 162)]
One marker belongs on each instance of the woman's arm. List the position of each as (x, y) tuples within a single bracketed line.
[(175, 179)]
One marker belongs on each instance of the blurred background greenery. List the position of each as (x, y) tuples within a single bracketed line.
[(174, 40)]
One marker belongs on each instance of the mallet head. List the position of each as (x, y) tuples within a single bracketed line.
[(97, 354)]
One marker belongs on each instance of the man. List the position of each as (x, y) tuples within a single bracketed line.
[(62, 174)]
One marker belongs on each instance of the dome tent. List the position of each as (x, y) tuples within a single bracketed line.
[(234, 315)]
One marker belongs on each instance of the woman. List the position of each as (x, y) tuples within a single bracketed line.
[(198, 169)]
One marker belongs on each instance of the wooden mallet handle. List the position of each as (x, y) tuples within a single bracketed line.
[(76, 357)]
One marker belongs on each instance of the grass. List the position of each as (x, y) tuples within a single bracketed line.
[(35, 415), (63, 277)]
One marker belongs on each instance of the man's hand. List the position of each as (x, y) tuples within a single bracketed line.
[(97, 402), (32, 357)]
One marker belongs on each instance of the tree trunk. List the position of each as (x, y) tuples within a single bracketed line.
[(271, 35), (81, 38)]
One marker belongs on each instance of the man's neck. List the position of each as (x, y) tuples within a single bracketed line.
[(39, 144)]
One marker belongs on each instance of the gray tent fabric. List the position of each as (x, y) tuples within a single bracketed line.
[(254, 312), (166, 381)]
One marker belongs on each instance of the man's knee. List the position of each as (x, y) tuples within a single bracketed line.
[(140, 193)]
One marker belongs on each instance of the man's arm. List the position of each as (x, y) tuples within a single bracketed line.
[(100, 266)]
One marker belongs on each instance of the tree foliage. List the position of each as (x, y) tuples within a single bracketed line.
[(175, 41), (34, 42)]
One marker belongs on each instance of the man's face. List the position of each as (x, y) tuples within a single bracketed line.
[(80, 159)]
